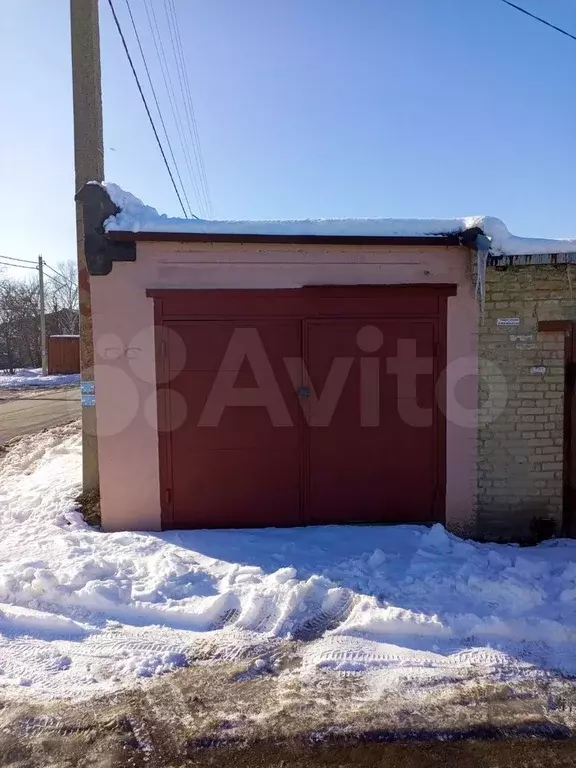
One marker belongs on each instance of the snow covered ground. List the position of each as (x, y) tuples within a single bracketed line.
[(28, 378), (85, 612)]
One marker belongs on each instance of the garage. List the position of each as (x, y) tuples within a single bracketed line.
[(300, 407)]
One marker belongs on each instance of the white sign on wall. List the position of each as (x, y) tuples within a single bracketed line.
[(508, 321)]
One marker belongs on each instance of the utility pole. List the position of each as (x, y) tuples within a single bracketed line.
[(43, 345), (89, 166)]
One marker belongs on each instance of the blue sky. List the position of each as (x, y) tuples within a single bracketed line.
[(308, 108)]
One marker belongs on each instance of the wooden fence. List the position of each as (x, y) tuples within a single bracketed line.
[(63, 354)]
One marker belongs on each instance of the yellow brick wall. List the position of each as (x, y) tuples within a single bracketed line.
[(522, 412)]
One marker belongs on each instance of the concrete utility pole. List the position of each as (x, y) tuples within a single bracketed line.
[(43, 345), (89, 164)]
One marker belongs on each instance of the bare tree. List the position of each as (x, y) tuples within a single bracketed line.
[(62, 298), (19, 323), (20, 313)]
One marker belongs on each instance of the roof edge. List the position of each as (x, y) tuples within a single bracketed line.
[(103, 248), (118, 236)]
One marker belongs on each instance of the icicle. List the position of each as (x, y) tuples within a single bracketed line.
[(481, 262)]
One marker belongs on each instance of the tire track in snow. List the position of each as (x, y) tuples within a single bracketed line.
[(325, 619)]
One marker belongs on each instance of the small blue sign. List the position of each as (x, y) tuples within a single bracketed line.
[(88, 401), (87, 387)]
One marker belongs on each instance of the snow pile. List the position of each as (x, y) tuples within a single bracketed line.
[(83, 611), (29, 378), (134, 216)]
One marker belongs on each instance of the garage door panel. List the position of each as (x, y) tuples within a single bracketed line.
[(375, 472), (234, 465), (310, 301), (373, 488), (381, 442), (234, 426), (357, 336), (376, 487), (405, 386), (238, 488), (406, 355), (211, 345)]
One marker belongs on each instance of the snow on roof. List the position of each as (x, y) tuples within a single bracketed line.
[(134, 216)]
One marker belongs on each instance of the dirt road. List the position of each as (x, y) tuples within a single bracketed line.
[(24, 413), (236, 714)]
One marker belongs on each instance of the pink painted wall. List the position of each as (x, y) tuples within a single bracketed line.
[(124, 351)]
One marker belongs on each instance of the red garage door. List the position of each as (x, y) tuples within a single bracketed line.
[(317, 405)]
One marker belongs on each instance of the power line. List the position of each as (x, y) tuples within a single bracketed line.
[(22, 266), (186, 118), (66, 279), (157, 103), (60, 285), (541, 20), (12, 258), (181, 72), (165, 70), (28, 261), (196, 145), (67, 283), (18, 266), (166, 75), (119, 28), (192, 111)]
